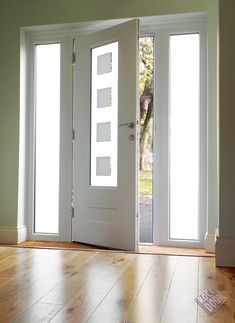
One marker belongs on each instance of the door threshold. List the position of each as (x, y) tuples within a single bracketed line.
[(177, 251), (143, 249)]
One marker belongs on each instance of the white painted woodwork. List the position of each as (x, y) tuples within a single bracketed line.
[(161, 207), (106, 216), (65, 154)]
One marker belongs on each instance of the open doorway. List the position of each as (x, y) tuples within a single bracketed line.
[(146, 81)]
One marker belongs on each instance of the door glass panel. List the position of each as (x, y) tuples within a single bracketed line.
[(104, 106), (146, 80), (104, 63), (104, 97), (103, 166), (184, 136), (103, 131), (47, 137)]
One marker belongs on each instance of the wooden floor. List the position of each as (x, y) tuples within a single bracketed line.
[(44, 285)]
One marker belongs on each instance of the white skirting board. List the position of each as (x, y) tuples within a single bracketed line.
[(209, 242), (225, 252), (13, 235)]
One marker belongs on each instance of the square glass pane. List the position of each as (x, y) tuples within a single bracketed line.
[(103, 166), (104, 63), (104, 97), (103, 131)]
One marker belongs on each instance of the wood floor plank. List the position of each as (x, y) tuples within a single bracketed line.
[(230, 286), (30, 270), (116, 303), (12, 258), (180, 305), (74, 279), (96, 288), (14, 305), (38, 313), (211, 277), (149, 303), (37, 280), (82, 278)]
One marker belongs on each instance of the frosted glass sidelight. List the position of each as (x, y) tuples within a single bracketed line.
[(184, 137), (104, 111), (47, 137)]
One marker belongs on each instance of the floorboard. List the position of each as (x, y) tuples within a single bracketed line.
[(48, 285)]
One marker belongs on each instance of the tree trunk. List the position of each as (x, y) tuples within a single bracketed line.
[(146, 113)]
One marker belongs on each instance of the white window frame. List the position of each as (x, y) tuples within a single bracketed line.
[(65, 177), (161, 176)]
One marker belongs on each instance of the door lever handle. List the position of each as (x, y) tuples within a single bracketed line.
[(130, 125)]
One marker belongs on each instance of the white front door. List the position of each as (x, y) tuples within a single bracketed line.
[(106, 143)]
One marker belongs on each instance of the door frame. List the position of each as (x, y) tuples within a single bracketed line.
[(148, 25)]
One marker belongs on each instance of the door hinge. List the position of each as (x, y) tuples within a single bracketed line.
[(72, 212), (73, 58), (73, 134)]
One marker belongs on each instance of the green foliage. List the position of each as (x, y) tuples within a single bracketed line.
[(146, 50), (145, 186), (146, 61)]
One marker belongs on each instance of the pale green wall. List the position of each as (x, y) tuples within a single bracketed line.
[(9, 120), (15, 14), (227, 119)]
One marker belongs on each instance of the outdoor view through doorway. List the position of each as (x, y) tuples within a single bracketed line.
[(146, 138)]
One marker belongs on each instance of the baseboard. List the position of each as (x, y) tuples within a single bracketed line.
[(13, 235), (209, 242), (22, 233), (225, 252)]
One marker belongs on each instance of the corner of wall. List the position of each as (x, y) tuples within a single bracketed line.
[(225, 252)]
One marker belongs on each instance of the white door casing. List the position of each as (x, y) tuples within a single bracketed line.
[(105, 215), (82, 125)]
